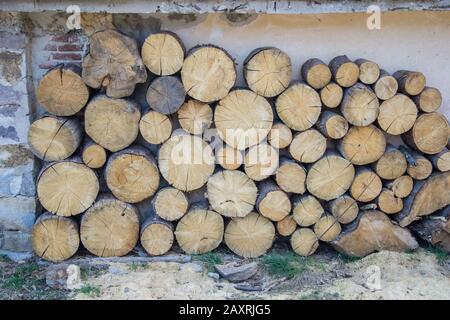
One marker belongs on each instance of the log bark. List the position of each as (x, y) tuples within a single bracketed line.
[(231, 193), (419, 167), (362, 145), (280, 136), (434, 229), (410, 82), (330, 177), (186, 162), (332, 125), (93, 154), (61, 91), (369, 71), (392, 164), (344, 208), (402, 186), (267, 71), (316, 73), (397, 114), (113, 63), (306, 210), (170, 204), (166, 94), (54, 138), (67, 187), (441, 160), (163, 53), (291, 176), (261, 161), (251, 236), (229, 158), (156, 236), (327, 228), (360, 105), (272, 202), (55, 238), (345, 72), (299, 106), (331, 95), (112, 123), (195, 117), (386, 86), (110, 228), (155, 127), (308, 146), (304, 242), (243, 119), (287, 226), (388, 202), (429, 100), (132, 174), (199, 231), (208, 73)]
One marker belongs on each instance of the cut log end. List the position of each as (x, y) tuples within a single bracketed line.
[(291, 176), (331, 95), (308, 146), (366, 186), (429, 100), (391, 165), (286, 226), (402, 186), (93, 155), (170, 204), (304, 242), (410, 82), (388, 202), (229, 158), (195, 117), (166, 94), (344, 208), (261, 161), (360, 105), (155, 127), (272, 202), (344, 71), (369, 71), (327, 228), (332, 125), (386, 86), (280, 136), (157, 237), (397, 114), (316, 73), (307, 210)]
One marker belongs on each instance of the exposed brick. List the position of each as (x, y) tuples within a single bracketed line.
[(51, 47), (46, 66), (70, 47), (70, 38), (66, 56)]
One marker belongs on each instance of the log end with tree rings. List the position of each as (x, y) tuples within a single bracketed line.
[(155, 127)]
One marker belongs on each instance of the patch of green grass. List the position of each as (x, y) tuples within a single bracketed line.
[(135, 266), (209, 259), (289, 264), (90, 290), (317, 295), (347, 259), (21, 275), (4, 258), (440, 255)]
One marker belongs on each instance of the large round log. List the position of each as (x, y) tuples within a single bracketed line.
[(195, 117), (388, 202), (299, 106), (429, 100), (344, 208), (362, 145), (61, 91), (391, 165), (110, 228), (112, 123), (132, 174), (155, 127), (229, 158), (67, 187), (261, 161), (386, 86), (332, 125), (410, 82), (251, 236), (290, 176), (55, 238), (306, 210), (369, 71), (397, 114), (170, 204), (186, 162), (331, 95), (345, 72), (113, 62), (267, 71), (280, 136), (243, 119), (327, 228), (93, 154), (360, 105), (366, 186), (166, 94), (208, 73), (287, 226), (304, 242), (231, 193), (308, 146), (402, 186), (199, 231), (272, 202), (156, 236), (316, 73), (330, 177), (54, 138), (163, 53)]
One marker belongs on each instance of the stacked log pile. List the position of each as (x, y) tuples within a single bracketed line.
[(309, 160)]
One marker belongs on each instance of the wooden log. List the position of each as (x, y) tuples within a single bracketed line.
[(332, 125), (156, 236), (132, 174), (441, 160), (369, 71), (345, 72), (261, 161), (272, 202), (286, 226), (195, 117), (93, 154), (199, 231), (344, 208), (163, 53), (330, 177), (427, 196), (308, 146), (388, 202), (231, 193), (280, 136), (327, 228), (316, 73), (243, 119), (61, 91), (419, 167), (366, 186), (170, 204), (386, 86), (429, 100), (362, 145), (208, 73), (229, 158), (306, 210), (331, 95), (155, 127), (67, 187), (434, 229), (267, 71), (397, 114), (360, 105), (429, 134), (391, 165), (113, 62), (251, 236), (186, 162), (373, 231), (299, 106), (402, 186), (166, 94), (110, 228), (112, 123), (54, 138), (55, 238), (304, 242), (290, 176), (410, 82)]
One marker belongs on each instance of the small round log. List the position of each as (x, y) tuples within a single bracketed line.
[(280, 136), (93, 154), (429, 100), (388, 202), (287, 226), (195, 117), (441, 160), (332, 125), (316, 73), (261, 161), (304, 242), (166, 94), (331, 95), (306, 210), (156, 236), (272, 202), (327, 228), (344, 208), (291, 176), (366, 186), (170, 204), (410, 82), (391, 165), (422, 168), (155, 127), (308, 146), (360, 105), (345, 72), (386, 86), (229, 158), (402, 186), (369, 71), (397, 114)]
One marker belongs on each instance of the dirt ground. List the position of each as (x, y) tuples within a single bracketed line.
[(423, 274)]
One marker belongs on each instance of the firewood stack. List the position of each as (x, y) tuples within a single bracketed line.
[(310, 160)]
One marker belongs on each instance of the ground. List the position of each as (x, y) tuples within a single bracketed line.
[(424, 274)]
